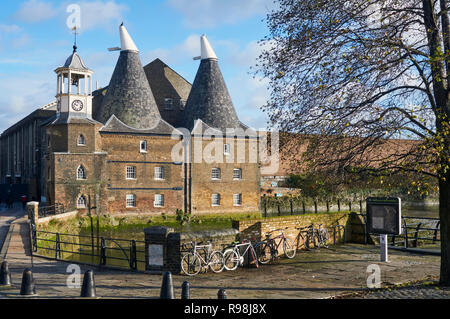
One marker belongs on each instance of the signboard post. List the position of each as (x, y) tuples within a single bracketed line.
[(384, 248), (384, 218)]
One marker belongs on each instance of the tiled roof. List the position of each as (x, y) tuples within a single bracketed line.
[(114, 125), (129, 96), (209, 99)]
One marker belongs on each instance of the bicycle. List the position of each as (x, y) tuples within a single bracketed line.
[(232, 256), (268, 250), (306, 240), (323, 236), (314, 238), (193, 261)]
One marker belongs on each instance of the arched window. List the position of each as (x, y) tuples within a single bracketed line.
[(81, 172), (81, 141), (143, 148), (81, 202)]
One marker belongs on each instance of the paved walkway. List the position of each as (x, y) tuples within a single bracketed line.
[(316, 274)]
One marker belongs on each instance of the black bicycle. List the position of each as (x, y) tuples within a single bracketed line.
[(268, 250), (312, 238)]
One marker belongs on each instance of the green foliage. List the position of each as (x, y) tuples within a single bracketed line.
[(183, 217)]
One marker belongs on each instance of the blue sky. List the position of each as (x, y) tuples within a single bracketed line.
[(35, 40)]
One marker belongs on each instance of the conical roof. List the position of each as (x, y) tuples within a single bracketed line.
[(74, 61), (209, 99), (129, 96)]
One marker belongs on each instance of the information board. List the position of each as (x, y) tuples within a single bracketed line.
[(384, 215)]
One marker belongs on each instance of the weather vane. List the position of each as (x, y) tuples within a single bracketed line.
[(74, 29)]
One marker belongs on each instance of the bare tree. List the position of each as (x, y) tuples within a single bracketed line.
[(352, 75)]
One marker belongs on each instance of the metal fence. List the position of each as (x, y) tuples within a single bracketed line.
[(93, 250), (294, 206), (416, 231), (56, 209)]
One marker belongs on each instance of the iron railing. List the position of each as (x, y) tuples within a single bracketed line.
[(415, 231), (293, 206), (102, 251), (56, 209)]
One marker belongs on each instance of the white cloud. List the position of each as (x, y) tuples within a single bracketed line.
[(33, 11), (183, 52), (12, 28), (93, 13), (210, 13), (25, 93), (100, 14), (21, 41)]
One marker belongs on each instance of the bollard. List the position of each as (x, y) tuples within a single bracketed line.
[(27, 288), (5, 275), (222, 294), (185, 294), (88, 288), (167, 287)]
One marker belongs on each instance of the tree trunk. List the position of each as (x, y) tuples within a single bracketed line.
[(444, 215)]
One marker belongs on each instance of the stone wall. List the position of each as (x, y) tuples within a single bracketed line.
[(257, 229), (171, 243)]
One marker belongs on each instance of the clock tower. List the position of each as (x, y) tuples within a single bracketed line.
[(74, 88)]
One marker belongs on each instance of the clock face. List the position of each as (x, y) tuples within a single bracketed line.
[(77, 105)]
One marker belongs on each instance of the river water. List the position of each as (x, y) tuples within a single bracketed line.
[(426, 211)]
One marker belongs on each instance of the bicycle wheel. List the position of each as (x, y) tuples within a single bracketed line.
[(289, 248), (191, 264), (216, 262), (230, 259), (312, 241), (301, 242), (325, 238), (263, 252)]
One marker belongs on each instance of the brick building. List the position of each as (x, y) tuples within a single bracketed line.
[(114, 148)]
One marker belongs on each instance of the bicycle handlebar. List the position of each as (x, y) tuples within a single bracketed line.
[(280, 229)]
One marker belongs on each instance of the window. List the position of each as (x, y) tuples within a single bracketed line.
[(131, 172), (237, 173), (168, 104), (159, 200), (143, 146), (237, 199), (159, 172), (215, 173), (81, 202), (81, 141), (131, 200), (226, 149), (81, 172), (182, 104), (215, 200)]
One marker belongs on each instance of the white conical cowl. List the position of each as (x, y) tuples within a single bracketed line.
[(207, 51), (126, 42)]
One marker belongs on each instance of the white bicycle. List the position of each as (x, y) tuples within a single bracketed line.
[(202, 257)]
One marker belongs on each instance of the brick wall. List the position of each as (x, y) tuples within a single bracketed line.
[(203, 186), (124, 150)]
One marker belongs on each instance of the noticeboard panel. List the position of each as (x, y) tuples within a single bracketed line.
[(384, 215)]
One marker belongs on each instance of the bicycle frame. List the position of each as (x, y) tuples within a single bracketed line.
[(273, 244), (207, 249), (249, 247)]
